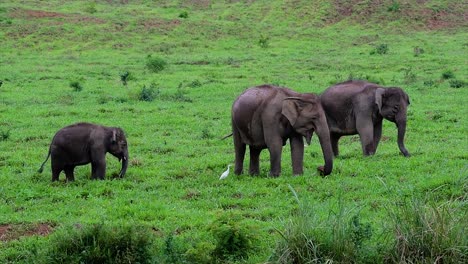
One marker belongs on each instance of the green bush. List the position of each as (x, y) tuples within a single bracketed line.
[(454, 83), (155, 64), (183, 14), (77, 87), (148, 94), (4, 135), (427, 233), (448, 74), (263, 42), (235, 239), (99, 243), (124, 77), (380, 49)]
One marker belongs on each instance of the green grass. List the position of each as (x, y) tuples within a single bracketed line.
[(211, 56)]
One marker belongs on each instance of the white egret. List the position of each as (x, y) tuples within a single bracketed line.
[(225, 174)]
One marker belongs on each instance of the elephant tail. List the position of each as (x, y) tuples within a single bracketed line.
[(223, 138), (41, 169)]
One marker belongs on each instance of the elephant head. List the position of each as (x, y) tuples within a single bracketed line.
[(393, 104), (306, 115), (118, 148)]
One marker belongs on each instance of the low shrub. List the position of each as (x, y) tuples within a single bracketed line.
[(76, 86), (235, 239), (155, 64), (454, 83), (380, 49), (148, 94), (99, 243), (183, 14), (448, 74)]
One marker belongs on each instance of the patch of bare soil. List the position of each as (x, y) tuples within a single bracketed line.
[(10, 232), (40, 14)]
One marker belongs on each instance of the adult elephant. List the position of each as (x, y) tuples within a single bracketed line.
[(84, 143), (267, 116), (359, 107)]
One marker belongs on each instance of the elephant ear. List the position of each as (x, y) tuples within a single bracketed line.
[(379, 93), (291, 109)]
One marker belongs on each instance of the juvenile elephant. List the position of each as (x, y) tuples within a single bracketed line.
[(267, 116), (84, 143), (358, 107)]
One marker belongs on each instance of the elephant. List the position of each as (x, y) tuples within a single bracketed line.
[(359, 107), (84, 143), (266, 116)]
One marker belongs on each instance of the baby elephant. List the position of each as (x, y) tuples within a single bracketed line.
[(84, 143)]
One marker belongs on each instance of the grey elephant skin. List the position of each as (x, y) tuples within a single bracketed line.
[(84, 143), (359, 107), (266, 116)]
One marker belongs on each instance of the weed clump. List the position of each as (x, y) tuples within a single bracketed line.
[(76, 86), (4, 135), (235, 239), (155, 64), (100, 244), (448, 74), (380, 49), (124, 77), (427, 233), (454, 83), (183, 14), (263, 42), (308, 239), (148, 94)]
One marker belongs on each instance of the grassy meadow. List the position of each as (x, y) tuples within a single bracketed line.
[(167, 72)]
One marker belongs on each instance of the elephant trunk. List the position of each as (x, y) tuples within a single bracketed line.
[(124, 164), (401, 125), (323, 134)]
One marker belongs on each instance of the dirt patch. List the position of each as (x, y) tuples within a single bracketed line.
[(10, 232), (29, 14)]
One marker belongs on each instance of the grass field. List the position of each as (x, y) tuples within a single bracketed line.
[(63, 62)]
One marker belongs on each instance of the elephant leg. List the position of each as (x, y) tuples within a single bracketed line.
[(297, 154), (377, 134), (275, 159), (239, 149), (98, 169), (334, 138), (365, 129), (69, 172), (254, 167), (56, 169)]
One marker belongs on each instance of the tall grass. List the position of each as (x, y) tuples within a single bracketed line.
[(308, 238), (424, 232), (99, 243)]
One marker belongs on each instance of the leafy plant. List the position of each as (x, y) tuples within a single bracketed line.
[(409, 76), (448, 74), (4, 135), (76, 86), (235, 239), (148, 94), (155, 64), (418, 51), (183, 14), (454, 83), (99, 243), (394, 7), (124, 77), (380, 49), (263, 42)]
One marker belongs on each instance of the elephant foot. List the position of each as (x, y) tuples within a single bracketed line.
[(321, 170)]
